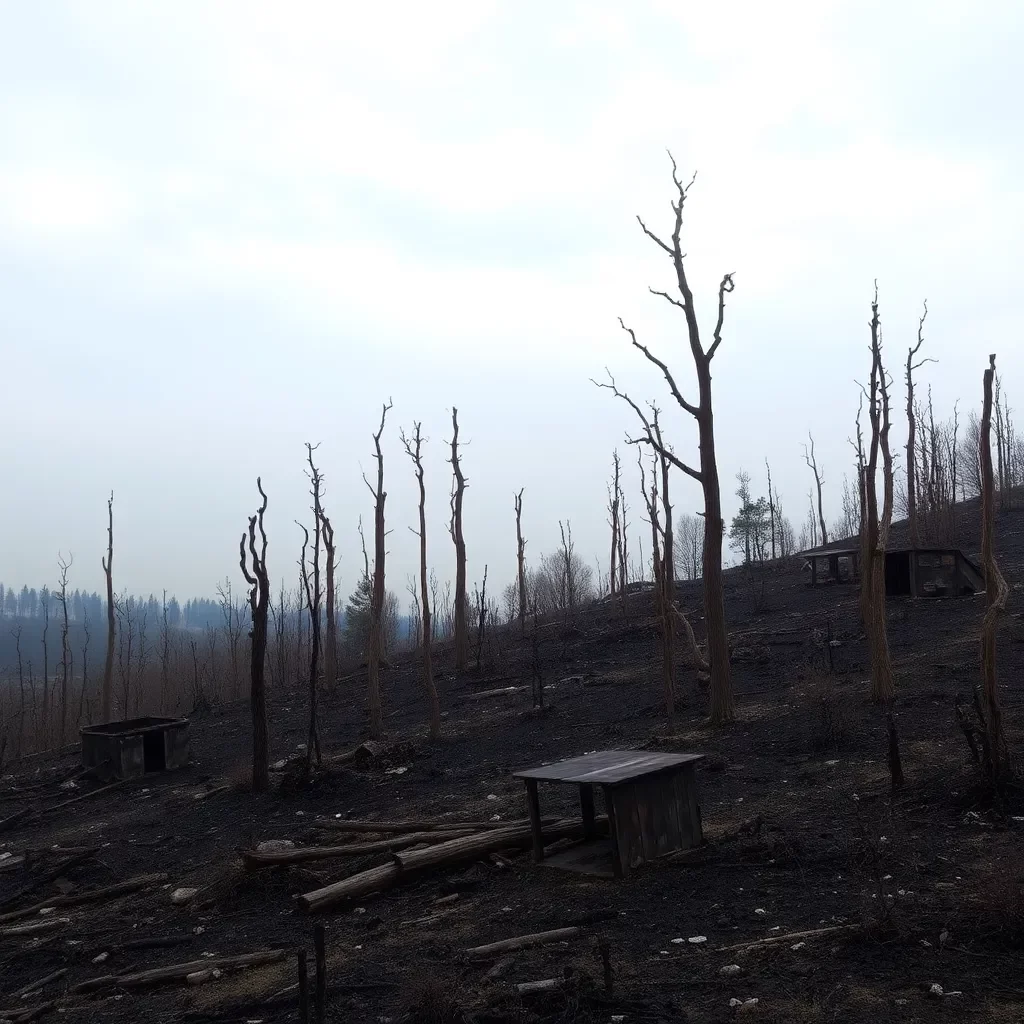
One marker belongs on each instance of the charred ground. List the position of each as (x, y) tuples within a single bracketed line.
[(933, 875)]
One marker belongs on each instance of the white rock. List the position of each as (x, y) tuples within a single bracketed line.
[(198, 930), (935, 989), (797, 946), (678, 942), (46, 910), (729, 970), (198, 977), (697, 940), (748, 1005), (279, 766), (495, 817), (101, 958), (182, 896), (396, 771), (492, 796), (734, 1002), (70, 784), (275, 846), (760, 911)]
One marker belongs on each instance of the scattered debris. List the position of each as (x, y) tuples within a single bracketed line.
[(523, 942), (182, 896), (729, 970)]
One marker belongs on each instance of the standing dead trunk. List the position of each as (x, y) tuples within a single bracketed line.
[(481, 605), (613, 522), (313, 599), (771, 506), (414, 449), (455, 528), (108, 569), (375, 652), (521, 562), (996, 590), (812, 462), (912, 523), (663, 609), (330, 615), (259, 605), (722, 702), (877, 527), (65, 647)]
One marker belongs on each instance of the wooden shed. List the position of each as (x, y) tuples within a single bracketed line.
[(909, 572)]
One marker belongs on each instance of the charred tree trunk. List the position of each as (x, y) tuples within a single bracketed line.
[(65, 648), (722, 703), (912, 523), (375, 652), (459, 611), (996, 590), (108, 569), (330, 615), (481, 620), (812, 462), (613, 522), (414, 449), (771, 506), (314, 596), (259, 605), (521, 562)]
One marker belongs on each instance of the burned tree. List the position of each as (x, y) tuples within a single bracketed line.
[(108, 569), (915, 535), (313, 596), (613, 522), (996, 591), (455, 528), (330, 601), (771, 507), (521, 562), (414, 449), (812, 463), (65, 648), (876, 525), (375, 646), (722, 706), (259, 605)]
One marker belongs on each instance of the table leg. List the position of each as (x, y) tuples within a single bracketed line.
[(533, 805), (587, 804), (613, 830)]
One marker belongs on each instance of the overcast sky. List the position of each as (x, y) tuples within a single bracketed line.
[(230, 228)]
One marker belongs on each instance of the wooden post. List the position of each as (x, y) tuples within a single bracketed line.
[(587, 803), (320, 999), (533, 804), (303, 988), (618, 865)]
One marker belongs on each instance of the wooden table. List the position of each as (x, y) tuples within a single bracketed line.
[(651, 800)]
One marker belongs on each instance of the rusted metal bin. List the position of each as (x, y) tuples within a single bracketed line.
[(135, 746)]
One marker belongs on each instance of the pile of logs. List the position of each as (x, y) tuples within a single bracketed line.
[(411, 847)]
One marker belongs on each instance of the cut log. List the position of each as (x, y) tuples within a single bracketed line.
[(503, 691), (177, 972), (76, 899), (446, 854), (36, 986), (49, 925), (254, 860), (523, 942), (773, 940), (529, 988)]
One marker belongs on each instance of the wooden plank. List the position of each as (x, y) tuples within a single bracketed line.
[(536, 826), (618, 862), (608, 766), (664, 817), (587, 805), (628, 826)]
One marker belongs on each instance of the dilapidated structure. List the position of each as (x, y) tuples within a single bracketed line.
[(909, 572)]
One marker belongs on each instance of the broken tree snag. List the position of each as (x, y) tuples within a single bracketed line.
[(895, 762), (314, 595), (259, 606), (523, 942), (915, 533), (996, 591), (877, 526), (613, 521), (414, 449), (375, 652), (812, 463), (178, 972), (521, 562), (330, 604), (108, 570), (455, 528), (695, 653)]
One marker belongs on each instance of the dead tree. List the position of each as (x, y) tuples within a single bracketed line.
[(481, 602), (771, 505), (722, 705), (314, 596), (812, 463), (915, 534), (65, 647), (455, 528), (996, 591), (667, 577), (330, 615), (877, 525), (613, 522), (259, 606), (375, 652), (414, 449), (521, 562), (108, 569)]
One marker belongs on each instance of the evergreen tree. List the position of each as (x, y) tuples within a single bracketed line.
[(357, 618)]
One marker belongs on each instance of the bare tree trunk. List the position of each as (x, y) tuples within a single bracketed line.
[(722, 703), (165, 655), (521, 562), (482, 620), (662, 604), (812, 462), (771, 506), (259, 604), (108, 569), (375, 652), (458, 490), (996, 590), (414, 449), (915, 534), (882, 686), (613, 510), (313, 599), (668, 589), (331, 621), (45, 596), (65, 650)]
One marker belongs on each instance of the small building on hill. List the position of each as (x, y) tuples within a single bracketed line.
[(909, 572)]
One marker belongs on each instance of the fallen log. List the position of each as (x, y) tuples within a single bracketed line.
[(446, 854), (76, 899), (177, 972), (773, 940), (12, 819), (502, 691), (23, 1014), (522, 942), (49, 925), (529, 988), (85, 796), (254, 859), (10, 863), (50, 876), (36, 986)]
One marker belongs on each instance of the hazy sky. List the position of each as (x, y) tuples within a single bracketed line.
[(230, 228)]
